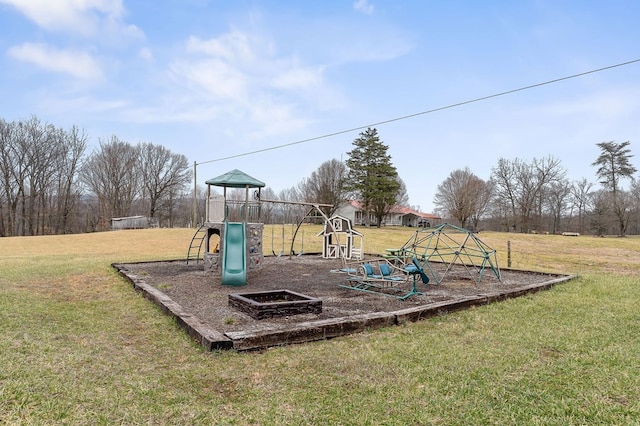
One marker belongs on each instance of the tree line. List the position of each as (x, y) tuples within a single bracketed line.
[(536, 196), (519, 195), (51, 185)]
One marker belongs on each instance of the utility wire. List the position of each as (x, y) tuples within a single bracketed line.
[(405, 117)]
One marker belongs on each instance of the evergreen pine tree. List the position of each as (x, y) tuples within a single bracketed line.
[(372, 178)]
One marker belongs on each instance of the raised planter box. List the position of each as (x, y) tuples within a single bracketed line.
[(275, 303)]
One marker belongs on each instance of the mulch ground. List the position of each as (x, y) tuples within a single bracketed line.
[(201, 293)]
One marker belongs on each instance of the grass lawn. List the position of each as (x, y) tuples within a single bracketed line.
[(79, 346)]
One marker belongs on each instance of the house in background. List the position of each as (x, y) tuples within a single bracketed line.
[(398, 216)]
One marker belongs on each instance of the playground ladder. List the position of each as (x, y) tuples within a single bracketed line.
[(196, 244)]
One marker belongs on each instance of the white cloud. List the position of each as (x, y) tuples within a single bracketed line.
[(74, 15), (87, 17), (75, 63), (299, 77), (243, 75), (274, 119), (236, 64), (216, 77), (363, 6), (233, 47)]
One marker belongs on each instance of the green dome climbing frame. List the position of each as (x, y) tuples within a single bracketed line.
[(448, 246)]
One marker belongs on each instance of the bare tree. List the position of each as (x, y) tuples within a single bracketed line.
[(36, 177), (112, 174), (187, 208), (268, 210), (556, 200), (500, 213), (30, 157), (634, 193), (624, 210), (601, 213), (291, 213), (25, 146), (326, 185), (41, 150), (402, 197), (43, 176), (13, 176), (462, 195), (614, 164), (163, 175), (66, 192), (3, 195), (580, 196), (484, 195), (523, 185), (506, 192)]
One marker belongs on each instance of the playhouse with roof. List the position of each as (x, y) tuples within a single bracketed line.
[(340, 240)]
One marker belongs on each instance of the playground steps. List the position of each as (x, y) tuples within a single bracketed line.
[(195, 247)]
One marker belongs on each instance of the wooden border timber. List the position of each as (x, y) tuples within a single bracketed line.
[(211, 339)]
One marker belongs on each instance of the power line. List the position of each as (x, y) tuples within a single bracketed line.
[(405, 117)]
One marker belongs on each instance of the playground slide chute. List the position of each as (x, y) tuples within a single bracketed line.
[(234, 264)]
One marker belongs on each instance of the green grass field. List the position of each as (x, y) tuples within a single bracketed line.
[(79, 346)]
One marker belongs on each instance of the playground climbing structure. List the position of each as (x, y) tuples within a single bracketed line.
[(442, 249), (231, 233), (232, 230), (431, 254)]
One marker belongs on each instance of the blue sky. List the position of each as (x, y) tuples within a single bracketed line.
[(213, 79)]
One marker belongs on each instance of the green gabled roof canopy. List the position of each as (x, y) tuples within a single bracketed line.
[(235, 179)]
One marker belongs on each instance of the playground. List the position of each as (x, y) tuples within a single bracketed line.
[(193, 293), (238, 298)]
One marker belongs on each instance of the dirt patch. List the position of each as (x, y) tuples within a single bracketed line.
[(201, 293)]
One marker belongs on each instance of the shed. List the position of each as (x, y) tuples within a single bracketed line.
[(133, 222)]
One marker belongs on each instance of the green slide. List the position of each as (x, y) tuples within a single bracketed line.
[(234, 262)]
